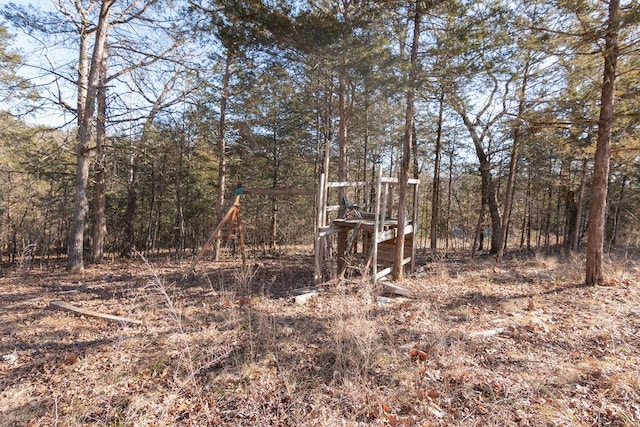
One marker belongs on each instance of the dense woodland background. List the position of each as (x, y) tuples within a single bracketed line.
[(180, 101)]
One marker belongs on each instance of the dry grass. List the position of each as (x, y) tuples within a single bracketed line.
[(519, 344)]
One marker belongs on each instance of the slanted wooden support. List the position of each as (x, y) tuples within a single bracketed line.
[(233, 213), (241, 238)]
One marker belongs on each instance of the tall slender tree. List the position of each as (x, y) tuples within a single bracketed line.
[(99, 196), (597, 208), (407, 142), (75, 256)]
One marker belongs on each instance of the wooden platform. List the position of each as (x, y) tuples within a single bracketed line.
[(365, 224), (372, 221)]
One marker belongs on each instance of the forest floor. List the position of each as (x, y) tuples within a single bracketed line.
[(522, 343)]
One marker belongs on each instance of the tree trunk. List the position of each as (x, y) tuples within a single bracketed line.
[(562, 192), (492, 203), (153, 201), (75, 260), (575, 238), (134, 171), (436, 179), (407, 142), (83, 73), (617, 212), (449, 197), (488, 187), (222, 145), (478, 235), (273, 239), (132, 204), (99, 197), (179, 234), (547, 220), (343, 161), (595, 232), (513, 166)]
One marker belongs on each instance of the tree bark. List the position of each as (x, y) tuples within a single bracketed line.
[(132, 206), (179, 228), (75, 260), (617, 213), (597, 209), (407, 141), (449, 197), (478, 235), (99, 197), (488, 187), (83, 72), (575, 238), (222, 144), (343, 160), (435, 202), (513, 166), (273, 239)]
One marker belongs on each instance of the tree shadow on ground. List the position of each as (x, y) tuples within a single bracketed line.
[(482, 300)]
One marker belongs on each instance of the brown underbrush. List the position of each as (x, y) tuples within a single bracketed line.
[(523, 343)]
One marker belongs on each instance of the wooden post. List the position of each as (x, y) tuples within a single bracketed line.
[(241, 237), (320, 218), (378, 225), (231, 220), (415, 226)]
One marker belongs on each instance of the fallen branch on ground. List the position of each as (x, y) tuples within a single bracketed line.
[(69, 307)]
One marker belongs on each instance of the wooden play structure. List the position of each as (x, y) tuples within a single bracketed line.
[(233, 219), (374, 223), (364, 232)]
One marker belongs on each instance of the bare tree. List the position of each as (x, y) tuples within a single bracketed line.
[(99, 197), (597, 208), (76, 235), (407, 141)]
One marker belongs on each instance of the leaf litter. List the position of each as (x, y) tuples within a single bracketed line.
[(525, 344)]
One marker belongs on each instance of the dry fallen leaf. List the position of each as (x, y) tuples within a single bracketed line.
[(392, 420), (413, 354), (70, 358), (243, 301)]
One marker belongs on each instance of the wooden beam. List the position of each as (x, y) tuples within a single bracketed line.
[(339, 184), (388, 270), (396, 290), (305, 298), (392, 233), (73, 308), (328, 231), (284, 191), (391, 180)]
